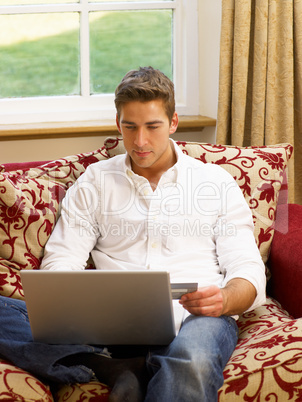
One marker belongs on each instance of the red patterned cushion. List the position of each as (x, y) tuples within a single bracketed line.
[(17, 385), (29, 207), (259, 172)]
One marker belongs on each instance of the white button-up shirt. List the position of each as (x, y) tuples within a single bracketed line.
[(196, 224)]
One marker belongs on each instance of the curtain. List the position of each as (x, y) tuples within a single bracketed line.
[(260, 79)]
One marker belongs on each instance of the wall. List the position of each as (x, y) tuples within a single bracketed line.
[(209, 38), (209, 41)]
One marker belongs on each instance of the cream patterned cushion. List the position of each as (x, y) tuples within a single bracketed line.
[(267, 362), (29, 208), (92, 392), (17, 385)]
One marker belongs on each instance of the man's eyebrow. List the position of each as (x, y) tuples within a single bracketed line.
[(154, 122), (148, 123), (127, 122)]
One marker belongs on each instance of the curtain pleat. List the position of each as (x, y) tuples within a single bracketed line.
[(260, 82)]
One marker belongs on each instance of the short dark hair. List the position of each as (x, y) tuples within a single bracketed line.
[(145, 84)]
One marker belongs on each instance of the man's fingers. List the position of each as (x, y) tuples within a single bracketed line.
[(205, 301), (207, 294), (198, 300)]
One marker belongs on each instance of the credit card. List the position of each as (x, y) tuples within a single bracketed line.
[(179, 289)]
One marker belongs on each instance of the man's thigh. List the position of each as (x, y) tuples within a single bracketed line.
[(191, 367), (200, 339)]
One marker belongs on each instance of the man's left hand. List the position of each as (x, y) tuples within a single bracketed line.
[(207, 301), (235, 298)]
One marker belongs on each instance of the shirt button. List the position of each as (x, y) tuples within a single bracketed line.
[(146, 191), (154, 245)]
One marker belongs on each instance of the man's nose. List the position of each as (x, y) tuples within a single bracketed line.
[(140, 137)]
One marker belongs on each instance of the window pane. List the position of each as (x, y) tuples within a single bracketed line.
[(40, 57), (121, 41)]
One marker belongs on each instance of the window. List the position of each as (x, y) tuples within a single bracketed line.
[(62, 59)]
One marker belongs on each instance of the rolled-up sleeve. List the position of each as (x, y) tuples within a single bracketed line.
[(237, 251)]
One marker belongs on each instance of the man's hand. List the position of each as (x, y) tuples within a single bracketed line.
[(207, 301), (235, 298)]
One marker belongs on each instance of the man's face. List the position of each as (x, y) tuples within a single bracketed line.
[(145, 129)]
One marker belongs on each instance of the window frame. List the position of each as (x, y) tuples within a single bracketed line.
[(85, 107)]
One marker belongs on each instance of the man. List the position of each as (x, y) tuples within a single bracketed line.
[(208, 238)]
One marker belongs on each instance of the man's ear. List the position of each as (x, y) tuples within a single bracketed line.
[(174, 123), (118, 124)]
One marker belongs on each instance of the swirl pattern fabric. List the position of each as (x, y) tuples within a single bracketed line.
[(29, 208)]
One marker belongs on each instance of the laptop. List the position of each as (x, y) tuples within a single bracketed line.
[(102, 307)]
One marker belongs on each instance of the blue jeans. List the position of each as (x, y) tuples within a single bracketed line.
[(189, 369), (41, 359)]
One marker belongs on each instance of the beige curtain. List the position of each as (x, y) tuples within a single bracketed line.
[(260, 83)]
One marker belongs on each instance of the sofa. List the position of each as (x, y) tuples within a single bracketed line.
[(267, 362)]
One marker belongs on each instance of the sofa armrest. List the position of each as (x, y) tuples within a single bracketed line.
[(285, 262)]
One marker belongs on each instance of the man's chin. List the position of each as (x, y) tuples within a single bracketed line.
[(142, 162)]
